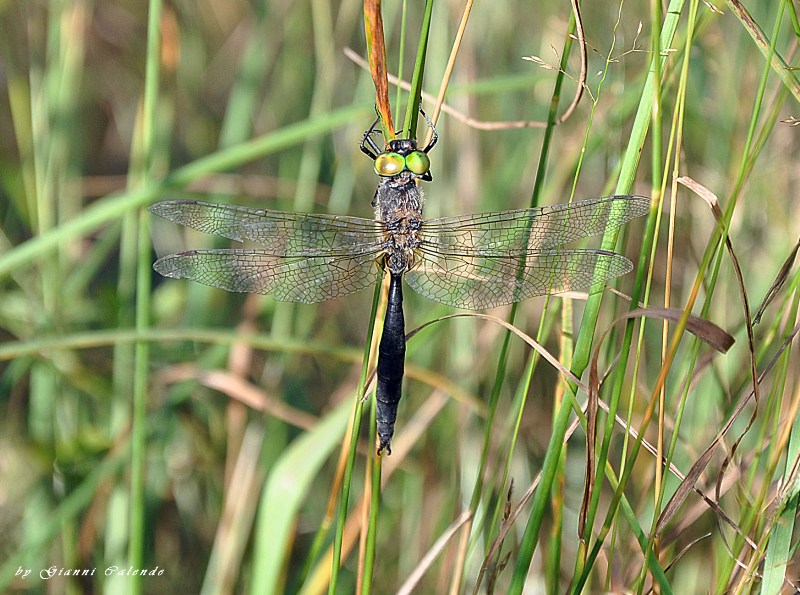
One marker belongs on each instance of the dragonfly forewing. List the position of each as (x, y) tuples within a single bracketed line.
[(510, 233), (277, 232), (299, 257)]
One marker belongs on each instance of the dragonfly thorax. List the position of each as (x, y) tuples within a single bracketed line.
[(398, 197)]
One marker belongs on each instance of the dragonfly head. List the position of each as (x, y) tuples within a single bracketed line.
[(403, 158)]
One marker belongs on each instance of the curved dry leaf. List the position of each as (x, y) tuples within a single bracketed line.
[(551, 359), (704, 330), (373, 27), (688, 483), (707, 195), (780, 279)]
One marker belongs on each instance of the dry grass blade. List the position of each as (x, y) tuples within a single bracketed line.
[(705, 330), (241, 504), (373, 26), (713, 203), (777, 284), (427, 560), (236, 387), (551, 359), (691, 478), (448, 69)]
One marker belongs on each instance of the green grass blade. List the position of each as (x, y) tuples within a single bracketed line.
[(415, 96), (286, 488)]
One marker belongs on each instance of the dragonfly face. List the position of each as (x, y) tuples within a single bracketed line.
[(472, 261)]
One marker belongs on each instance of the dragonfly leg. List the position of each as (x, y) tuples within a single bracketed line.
[(368, 146), (435, 136)]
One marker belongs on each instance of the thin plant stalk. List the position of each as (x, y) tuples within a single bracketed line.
[(142, 349), (347, 480), (676, 136), (627, 173)]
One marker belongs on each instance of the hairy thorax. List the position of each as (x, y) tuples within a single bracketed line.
[(398, 203)]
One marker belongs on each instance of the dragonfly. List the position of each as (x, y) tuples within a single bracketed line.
[(474, 261)]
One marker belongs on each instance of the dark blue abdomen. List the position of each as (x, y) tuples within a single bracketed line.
[(391, 364)]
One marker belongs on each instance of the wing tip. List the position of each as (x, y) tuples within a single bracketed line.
[(163, 266), (161, 208)]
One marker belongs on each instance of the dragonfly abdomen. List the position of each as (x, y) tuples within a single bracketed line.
[(391, 364)]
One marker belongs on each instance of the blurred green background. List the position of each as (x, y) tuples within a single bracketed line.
[(257, 104)]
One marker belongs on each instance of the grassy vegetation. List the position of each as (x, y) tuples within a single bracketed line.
[(161, 424)]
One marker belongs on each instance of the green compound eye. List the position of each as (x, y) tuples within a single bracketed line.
[(418, 163), (389, 164)]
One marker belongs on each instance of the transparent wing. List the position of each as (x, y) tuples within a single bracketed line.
[(305, 257), (475, 283), (280, 233), (511, 233), (305, 279)]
